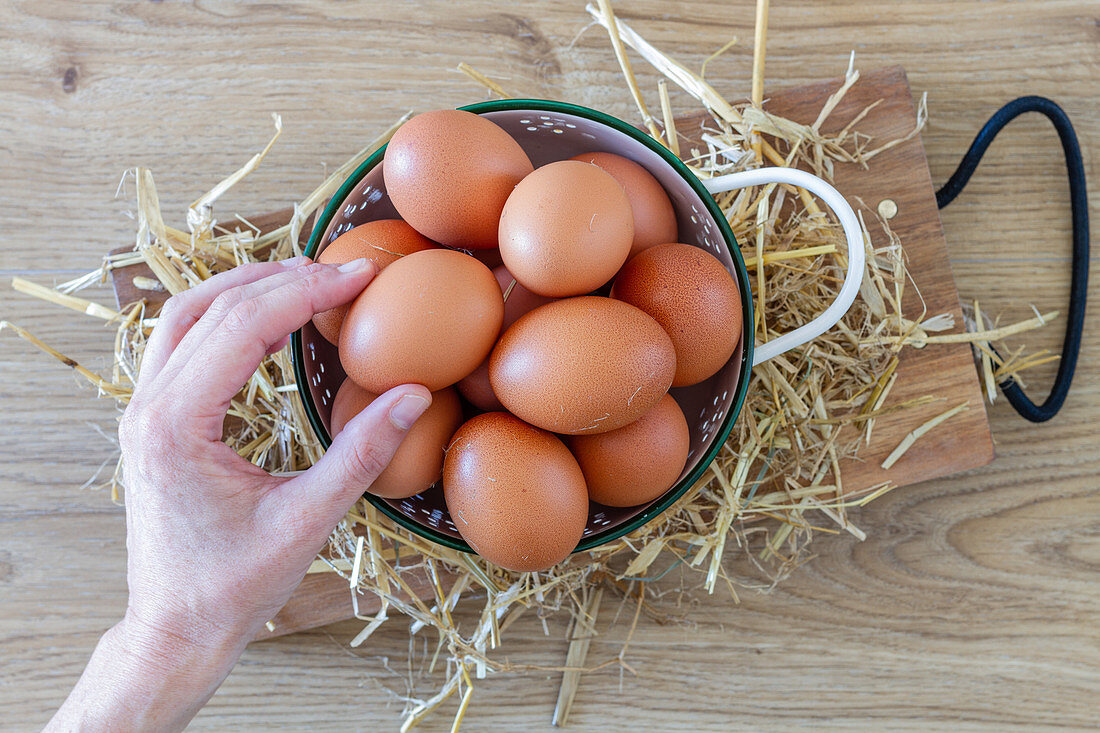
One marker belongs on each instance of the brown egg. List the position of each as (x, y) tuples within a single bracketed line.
[(488, 257), (638, 462), (449, 172), (582, 365), (693, 297), (430, 318), (418, 462), (654, 217), (518, 300), (382, 242), (515, 492), (566, 229), (477, 389)]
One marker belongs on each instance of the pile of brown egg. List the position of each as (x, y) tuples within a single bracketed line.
[(566, 379)]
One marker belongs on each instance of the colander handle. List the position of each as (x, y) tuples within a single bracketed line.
[(852, 232)]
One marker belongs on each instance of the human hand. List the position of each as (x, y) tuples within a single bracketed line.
[(215, 544)]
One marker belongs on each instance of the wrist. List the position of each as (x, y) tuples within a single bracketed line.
[(146, 677), (179, 645)]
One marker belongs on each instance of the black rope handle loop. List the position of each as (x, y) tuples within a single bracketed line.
[(1079, 278)]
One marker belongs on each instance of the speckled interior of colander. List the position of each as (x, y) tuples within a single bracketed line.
[(546, 136)]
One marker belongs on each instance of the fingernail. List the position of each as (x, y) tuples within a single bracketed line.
[(354, 265), (294, 261), (407, 409)]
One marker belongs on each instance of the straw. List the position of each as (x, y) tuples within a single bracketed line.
[(760, 38), (908, 441), (584, 630), (624, 62)]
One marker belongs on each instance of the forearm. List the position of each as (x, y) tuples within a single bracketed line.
[(138, 679)]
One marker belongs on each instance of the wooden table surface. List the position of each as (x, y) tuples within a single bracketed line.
[(974, 603)]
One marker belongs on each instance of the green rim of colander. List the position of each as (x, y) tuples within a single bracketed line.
[(543, 105)]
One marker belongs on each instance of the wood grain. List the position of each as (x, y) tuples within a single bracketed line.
[(973, 603)]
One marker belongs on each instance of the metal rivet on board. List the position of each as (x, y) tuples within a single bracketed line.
[(887, 208)]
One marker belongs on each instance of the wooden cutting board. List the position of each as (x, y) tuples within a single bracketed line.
[(945, 371)]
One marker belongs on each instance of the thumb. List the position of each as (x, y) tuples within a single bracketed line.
[(360, 452)]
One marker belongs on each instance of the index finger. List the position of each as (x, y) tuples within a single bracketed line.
[(230, 354), (183, 310)]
